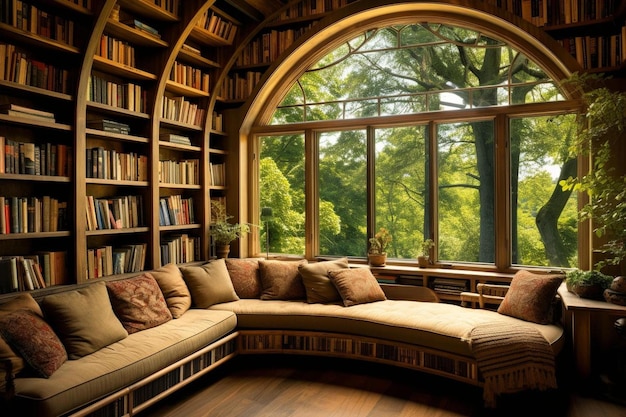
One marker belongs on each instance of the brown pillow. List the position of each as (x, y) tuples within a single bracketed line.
[(20, 302), (175, 291), (319, 288), (35, 340), (530, 297), (357, 286), (83, 319), (209, 284), (138, 302), (281, 280), (244, 273)]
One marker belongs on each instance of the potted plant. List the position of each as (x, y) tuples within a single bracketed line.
[(222, 231), (601, 131), (377, 254), (587, 284), (424, 259)]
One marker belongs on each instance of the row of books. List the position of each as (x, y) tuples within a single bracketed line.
[(181, 110), (120, 212), (113, 165), (191, 77), (218, 174), (140, 26), (176, 210), (266, 48), (32, 215), (450, 286), (108, 260), (175, 138), (312, 7), (127, 96), (238, 87), (558, 12), (116, 50), (12, 109), (217, 25), (179, 249), (185, 171), (30, 18), (598, 51), (25, 273), (172, 6), (217, 122), (84, 3), (18, 67), (34, 158)]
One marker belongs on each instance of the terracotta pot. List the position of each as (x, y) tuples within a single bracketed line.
[(423, 261), (376, 259), (222, 251)]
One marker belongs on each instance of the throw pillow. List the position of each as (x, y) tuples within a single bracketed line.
[(35, 340), (281, 280), (138, 302), (357, 286), (19, 302), (175, 291), (209, 284), (244, 273), (83, 319), (319, 288), (530, 297)]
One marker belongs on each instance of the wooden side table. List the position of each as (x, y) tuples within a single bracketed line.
[(581, 310)]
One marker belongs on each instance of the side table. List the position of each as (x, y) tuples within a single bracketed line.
[(581, 310)]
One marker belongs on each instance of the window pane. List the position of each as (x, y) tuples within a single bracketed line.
[(544, 217), (342, 193), (282, 190), (466, 191), (401, 187)]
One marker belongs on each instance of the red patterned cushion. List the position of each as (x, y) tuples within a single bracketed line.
[(530, 297), (138, 302), (244, 273), (357, 286), (35, 340), (281, 280)]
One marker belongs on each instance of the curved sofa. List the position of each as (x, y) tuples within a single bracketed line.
[(228, 315)]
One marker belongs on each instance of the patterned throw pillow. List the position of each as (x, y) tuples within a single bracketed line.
[(281, 280), (530, 297), (357, 286), (244, 273), (35, 340), (175, 291), (138, 302), (319, 288)]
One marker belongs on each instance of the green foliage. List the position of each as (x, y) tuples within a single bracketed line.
[(579, 277), (380, 241), (427, 245), (222, 231), (600, 132)]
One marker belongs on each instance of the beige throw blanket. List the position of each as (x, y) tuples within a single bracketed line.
[(512, 359)]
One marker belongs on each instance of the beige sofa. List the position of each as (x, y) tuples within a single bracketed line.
[(229, 307)]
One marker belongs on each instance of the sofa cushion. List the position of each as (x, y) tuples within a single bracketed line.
[(357, 286), (174, 289), (317, 284), (281, 280), (122, 363), (138, 302), (244, 273), (83, 319), (21, 301), (35, 340), (530, 297), (209, 283)]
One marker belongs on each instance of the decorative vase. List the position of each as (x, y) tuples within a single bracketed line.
[(222, 251), (377, 259), (423, 261)]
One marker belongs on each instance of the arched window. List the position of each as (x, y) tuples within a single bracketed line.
[(430, 130)]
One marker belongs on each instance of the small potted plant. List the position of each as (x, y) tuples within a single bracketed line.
[(587, 284), (377, 254), (424, 259), (224, 232)]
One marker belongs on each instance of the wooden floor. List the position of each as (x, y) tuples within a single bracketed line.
[(295, 386)]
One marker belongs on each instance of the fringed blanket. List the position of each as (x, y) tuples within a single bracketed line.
[(512, 359)]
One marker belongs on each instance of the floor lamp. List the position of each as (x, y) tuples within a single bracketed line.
[(266, 217)]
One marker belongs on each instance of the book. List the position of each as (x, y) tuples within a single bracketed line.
[(144, 27), (22, 109)]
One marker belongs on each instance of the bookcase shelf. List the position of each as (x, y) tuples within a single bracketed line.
[(35, 178), (125, 231), (116, 136), (116, 111), (121, 70), (16, 34), (35, 91), (34, 235), (151, 10), (132, 35), (184, 90)]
